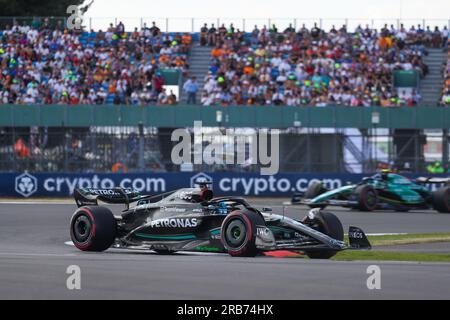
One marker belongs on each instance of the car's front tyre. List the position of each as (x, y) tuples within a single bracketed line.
[(238, 233), (315, 189), (329, 224), (93, 228)]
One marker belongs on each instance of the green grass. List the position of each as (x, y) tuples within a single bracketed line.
[(392, 240), (391, 256), (379, 255)]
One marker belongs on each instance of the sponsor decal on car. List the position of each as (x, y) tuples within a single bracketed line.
[(103, 192), (355, 235), (173, 209), (174, 223), (262, 231), (185, 195)]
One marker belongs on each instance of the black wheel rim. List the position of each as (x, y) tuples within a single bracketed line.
[(82, 228), (235, 233)]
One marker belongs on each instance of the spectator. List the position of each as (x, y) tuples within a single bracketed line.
[(172, 98), (204, 35), (117, 99), (57, 66), (445, 96), (154, 30), (191, 89), (212, 36), (435, 168), (314, 67), (436, 38), (162, 97), (120, 29), (445, 36)]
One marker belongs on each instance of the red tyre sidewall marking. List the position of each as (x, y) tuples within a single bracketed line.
[(249, 232), (89, 244)]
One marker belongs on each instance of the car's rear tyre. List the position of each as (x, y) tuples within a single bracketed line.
[(441, 200), (238, 233), (93, 228), (315, 189), (367, 198), (329, 224)]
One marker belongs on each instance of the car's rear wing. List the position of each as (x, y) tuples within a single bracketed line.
[(89, 196), (435, 180)]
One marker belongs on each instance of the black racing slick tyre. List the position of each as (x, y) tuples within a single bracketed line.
[(367, 198), (329, 224), (441, 200), (238, 233), (315, 189), (93, 228)]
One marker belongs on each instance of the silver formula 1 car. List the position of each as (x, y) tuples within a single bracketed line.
[(192, 219)]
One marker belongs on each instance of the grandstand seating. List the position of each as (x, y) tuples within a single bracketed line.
[(305, 67), (51, 66), (313, 67), (445, 96)]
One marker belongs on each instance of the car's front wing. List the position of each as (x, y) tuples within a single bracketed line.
[(312, 239)]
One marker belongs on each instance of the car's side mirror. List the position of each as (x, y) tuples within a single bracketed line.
[(266, 209)]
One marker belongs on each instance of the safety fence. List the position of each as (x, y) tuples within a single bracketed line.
[(277, 117), (191, 24), (149, 149)]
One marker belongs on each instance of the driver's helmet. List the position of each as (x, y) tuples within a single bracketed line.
[(384, 174)]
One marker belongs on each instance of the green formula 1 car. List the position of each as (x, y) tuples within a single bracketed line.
[(383, 190)]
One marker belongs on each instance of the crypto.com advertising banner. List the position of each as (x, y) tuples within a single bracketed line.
[(233, 184)]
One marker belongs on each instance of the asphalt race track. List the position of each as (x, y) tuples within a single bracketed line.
[(34, 259)]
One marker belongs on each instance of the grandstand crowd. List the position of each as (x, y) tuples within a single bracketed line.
[(43, 64), (445, 100), (314, 67), (53, 65)]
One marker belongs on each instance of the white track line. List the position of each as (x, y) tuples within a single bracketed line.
[(26, 254), (32, 202), (385, 234), (70, 243), (382, 234)]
